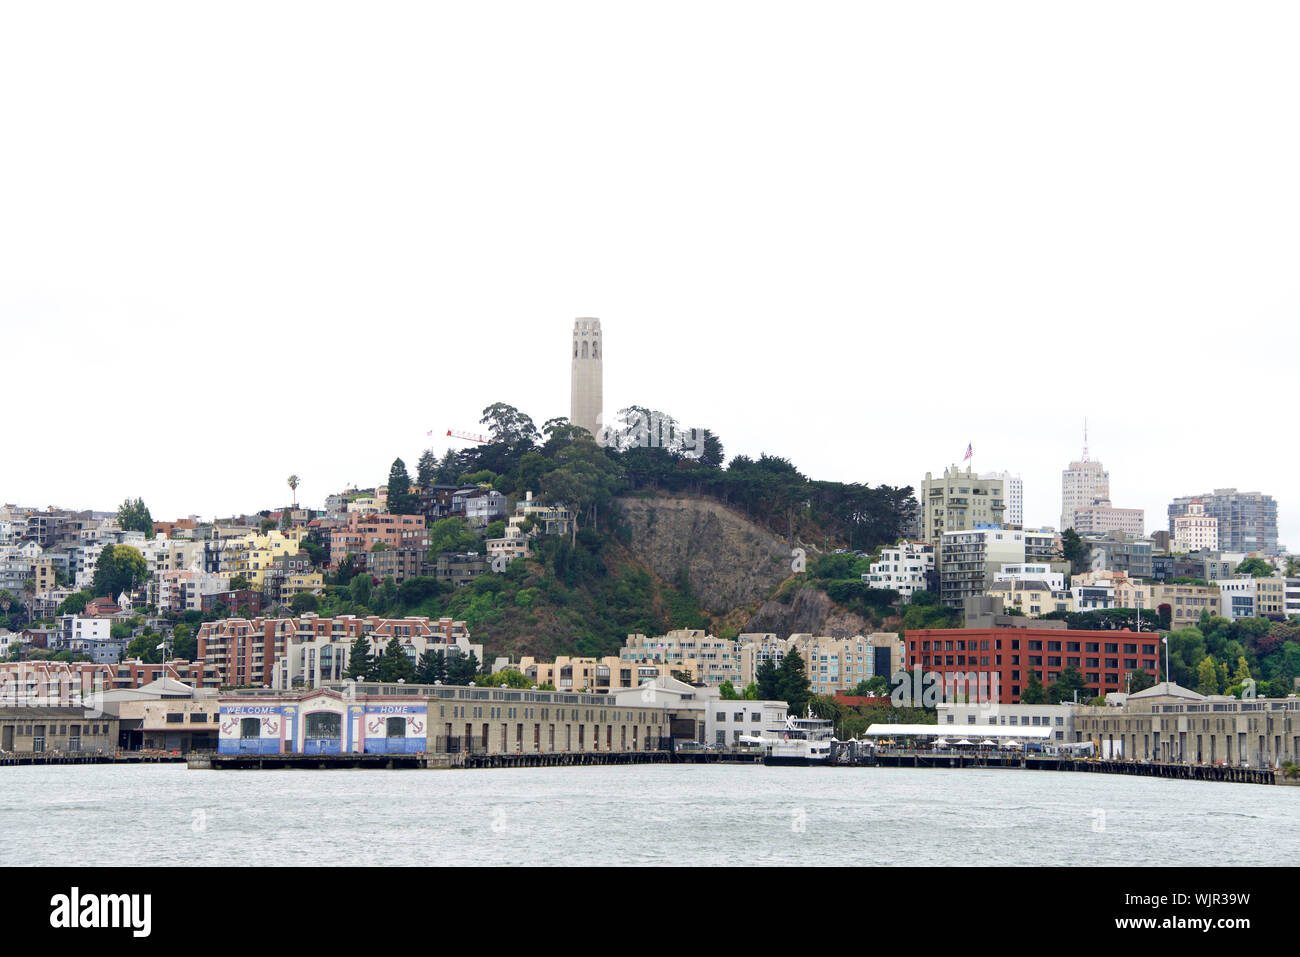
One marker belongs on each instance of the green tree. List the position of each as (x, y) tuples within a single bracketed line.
[(304, 601), (1033, 692), (293, 488), (360, 664), (462, 668), (506, 678), (426, 469), (795, 686), (400, 499), (135, 517), (583, 479), (1207, 676), (1067, 683), (873, 687), (451, 535), (120, 568), (768, 679), (75, 603), (360, 588), (240, 582), (728, 691), (508, 426), (432, 668), (145, 647), (1139, 680), (1074, 551), (1256, 568), (184, 643), (394, 663)]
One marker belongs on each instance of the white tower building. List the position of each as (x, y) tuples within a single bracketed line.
[(586, 402), (1084, 483)]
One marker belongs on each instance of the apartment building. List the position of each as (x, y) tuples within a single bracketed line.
[(905, 568), (1031, 597), (595, 675), (958, 501), (1246, 521), (1084, 482), (997, 661), (1013, 487), (1100, 517), (1186, 602), (970, 560), (362, 532), (1252, 597), (1194, 531), (837, 665), (459, 568), (304, 651), (707, 659)]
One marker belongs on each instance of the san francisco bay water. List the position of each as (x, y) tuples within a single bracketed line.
[(636, 815)]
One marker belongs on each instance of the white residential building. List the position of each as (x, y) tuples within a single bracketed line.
[(1195, 531), (902, 568), (1013, 487), (1031, 571)]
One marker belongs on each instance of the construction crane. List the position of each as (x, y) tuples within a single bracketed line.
[(469, 436)]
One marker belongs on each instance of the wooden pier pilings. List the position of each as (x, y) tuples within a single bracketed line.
[(465, 760), (1186, 772)]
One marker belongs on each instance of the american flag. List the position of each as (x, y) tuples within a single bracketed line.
[(969, 452)]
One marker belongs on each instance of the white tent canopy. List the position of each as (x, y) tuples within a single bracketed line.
[(996, 732)]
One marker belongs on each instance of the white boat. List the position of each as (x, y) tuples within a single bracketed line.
[(803, 741)]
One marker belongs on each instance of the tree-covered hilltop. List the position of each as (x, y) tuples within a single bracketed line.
[(615, 574), (648, 451)]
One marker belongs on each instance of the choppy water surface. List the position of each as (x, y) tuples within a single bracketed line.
[(647, 814)]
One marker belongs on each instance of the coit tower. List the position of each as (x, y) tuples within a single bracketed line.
[(585, 400)]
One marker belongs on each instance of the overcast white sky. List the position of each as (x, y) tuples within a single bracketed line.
[(242, 240)]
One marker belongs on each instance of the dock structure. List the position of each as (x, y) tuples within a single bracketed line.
[(86, 757), (217, 762), (1036, 762)]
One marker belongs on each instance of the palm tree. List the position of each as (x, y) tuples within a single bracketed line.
[(293, 487), (29, 591)]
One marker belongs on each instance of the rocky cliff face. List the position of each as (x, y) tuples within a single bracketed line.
[(809, 612), (729, 561)]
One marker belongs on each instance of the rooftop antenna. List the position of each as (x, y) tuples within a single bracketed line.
[(1085, 440)]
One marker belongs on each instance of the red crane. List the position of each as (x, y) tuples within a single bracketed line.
[(469, 436)]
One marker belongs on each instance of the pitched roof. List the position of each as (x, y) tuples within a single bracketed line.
[(1167, 689)]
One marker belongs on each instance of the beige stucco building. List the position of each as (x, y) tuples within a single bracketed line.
[(1175, 724)]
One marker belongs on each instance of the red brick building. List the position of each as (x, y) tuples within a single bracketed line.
[(1003, 657)]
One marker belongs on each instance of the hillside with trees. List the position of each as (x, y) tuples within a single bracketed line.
[(667, 536)]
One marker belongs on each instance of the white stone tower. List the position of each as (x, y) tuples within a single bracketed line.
[(585, 398), (1084, 483)]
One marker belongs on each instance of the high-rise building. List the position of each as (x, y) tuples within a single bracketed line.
[(585, 397), (1247, 521), (958, 501), (969, 560), (1084, 483), (1014, 487)]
